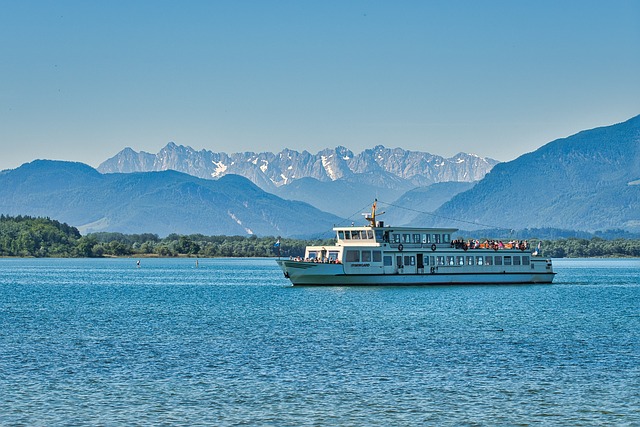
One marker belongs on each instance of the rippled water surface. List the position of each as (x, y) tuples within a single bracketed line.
[(101, 342)]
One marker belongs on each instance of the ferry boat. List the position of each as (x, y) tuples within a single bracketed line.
[(376, 254)]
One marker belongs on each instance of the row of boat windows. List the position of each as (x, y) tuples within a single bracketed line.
[(420, 238), (352, 255), (356, 234), (381, 236), (323, 255), (364, 256), (457, 260)]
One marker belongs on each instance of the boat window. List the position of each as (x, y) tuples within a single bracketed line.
[(396, 238), (353, 256), (406, 238), (388, 260), (370, 234), (366, 256), (407, 260), (446, 238), (399, 261), (433, 260), (312, 254), (440, 260), (460, 260), (507, 260), (450, 260), (470, 260), (416, 238), (435, 238), (516, 260), (413, 260), (525, 260), (340, 234), (425, 238), (488, 260), (347, 235), (333, 255), (498, 260), (479, 260), (426, 260), (355, 235), (377, 256)]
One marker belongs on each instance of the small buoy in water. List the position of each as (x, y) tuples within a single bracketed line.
[(138, 263)]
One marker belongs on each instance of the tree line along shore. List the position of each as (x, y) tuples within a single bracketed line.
[(25, 236)]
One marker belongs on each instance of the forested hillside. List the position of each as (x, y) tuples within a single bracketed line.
[(38, 237)]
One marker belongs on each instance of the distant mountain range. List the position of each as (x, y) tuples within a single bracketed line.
[(333, 180), (155, 202), (380, 166), (589, 181)]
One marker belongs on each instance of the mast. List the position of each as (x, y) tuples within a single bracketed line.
[(372, 217)]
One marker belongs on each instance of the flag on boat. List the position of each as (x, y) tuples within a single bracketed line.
[(276, 246)]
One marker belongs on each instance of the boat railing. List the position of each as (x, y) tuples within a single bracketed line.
[(315, 260), (464, 245)]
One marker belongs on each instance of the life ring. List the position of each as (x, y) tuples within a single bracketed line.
[(433, 247), (400, 247)]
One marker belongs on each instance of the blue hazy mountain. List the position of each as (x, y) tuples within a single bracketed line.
[(333, 180), (156, 202), (408, 207), (588, 181), (345, 198)]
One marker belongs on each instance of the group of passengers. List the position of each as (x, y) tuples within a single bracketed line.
[(324, 260), (489, 244)]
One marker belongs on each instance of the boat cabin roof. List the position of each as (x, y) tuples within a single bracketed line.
[(398, 229)]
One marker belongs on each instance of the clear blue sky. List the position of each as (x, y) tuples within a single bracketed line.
[(81, 80)]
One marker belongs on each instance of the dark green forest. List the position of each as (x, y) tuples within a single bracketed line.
[(24, 236)]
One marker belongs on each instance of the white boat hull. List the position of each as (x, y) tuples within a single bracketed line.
[(309, 273)]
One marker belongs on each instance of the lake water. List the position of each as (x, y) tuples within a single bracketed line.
[(101, 342)]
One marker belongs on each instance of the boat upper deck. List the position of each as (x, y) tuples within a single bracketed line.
[(377, 236)]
